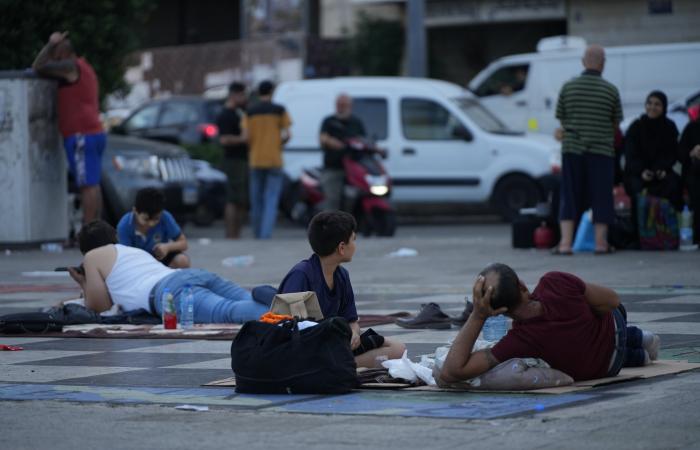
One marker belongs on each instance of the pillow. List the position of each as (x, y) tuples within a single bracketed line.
[(516, 374)]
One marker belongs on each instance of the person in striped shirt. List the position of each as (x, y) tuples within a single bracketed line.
[(589, 110)]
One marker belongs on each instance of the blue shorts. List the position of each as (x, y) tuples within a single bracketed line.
[(84, 153), (587, 182)]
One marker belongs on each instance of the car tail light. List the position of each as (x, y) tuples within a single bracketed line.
[(209, 130), (694, 112)]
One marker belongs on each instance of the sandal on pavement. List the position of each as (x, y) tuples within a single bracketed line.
[(608, 251)]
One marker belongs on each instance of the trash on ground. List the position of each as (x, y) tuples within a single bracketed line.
[(403, 252), (238, 261), (204, 241), (192, 408), (10, 348), (407, 370)]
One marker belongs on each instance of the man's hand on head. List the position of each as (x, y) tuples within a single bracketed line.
[(482, 300)]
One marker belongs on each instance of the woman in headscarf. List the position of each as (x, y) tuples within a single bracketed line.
[(651, 151), (690, 158)]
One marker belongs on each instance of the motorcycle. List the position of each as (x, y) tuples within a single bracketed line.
[(365, 194)]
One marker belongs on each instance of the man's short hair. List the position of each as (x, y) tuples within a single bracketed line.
[(507, 291), (266, 88), (236, 88), (96, 234), (150, 201), (328, 229)]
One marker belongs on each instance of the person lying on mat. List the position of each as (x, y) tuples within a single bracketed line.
[(133, 279), (332, 238), (578, 328)]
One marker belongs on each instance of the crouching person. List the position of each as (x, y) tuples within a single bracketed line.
[(578, 328), (134, 279), (332, 238)]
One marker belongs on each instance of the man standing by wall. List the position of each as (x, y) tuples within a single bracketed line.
[(335, 131), (267, 127), (235, 164), (78, 117), (589, 110)]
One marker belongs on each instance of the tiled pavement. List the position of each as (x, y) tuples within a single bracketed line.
[(172, 371)]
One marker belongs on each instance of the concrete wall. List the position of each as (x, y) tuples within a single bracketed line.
[(338, 16), (629, 22), (33, 205)]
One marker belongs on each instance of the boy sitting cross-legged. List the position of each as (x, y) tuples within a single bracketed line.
[(332, 238), (151, 228)]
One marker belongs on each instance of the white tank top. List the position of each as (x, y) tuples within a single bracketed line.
[(133, 276)]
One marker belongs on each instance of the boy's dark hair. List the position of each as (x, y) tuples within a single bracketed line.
[(266, 88), (507, 290), (236, 87), (328, 229), (150, 201), (96, 234)]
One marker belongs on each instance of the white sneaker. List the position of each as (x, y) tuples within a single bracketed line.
[(651, 343)]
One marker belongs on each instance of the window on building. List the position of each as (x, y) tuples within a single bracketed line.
[(427, 120), (504, 81), (374, 113)]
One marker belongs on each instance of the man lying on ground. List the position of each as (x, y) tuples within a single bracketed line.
[(332, 238), (134, 279), (576, 327)]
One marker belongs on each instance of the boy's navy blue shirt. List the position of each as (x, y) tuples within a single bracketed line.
[(165, 230), (307, 275)]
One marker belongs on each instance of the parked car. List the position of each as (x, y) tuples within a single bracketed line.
[(178, 120), (522, 90), (130, 164), (443, 145)]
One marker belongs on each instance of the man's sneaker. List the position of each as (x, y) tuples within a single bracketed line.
[(430, 317), (651, 343), (461, 319)]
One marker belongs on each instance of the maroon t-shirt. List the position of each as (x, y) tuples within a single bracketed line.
[(568, 335)]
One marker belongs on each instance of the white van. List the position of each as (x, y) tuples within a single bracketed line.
[(522, 90), (443, 145)]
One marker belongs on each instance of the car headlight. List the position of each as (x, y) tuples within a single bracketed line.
[(378, 184), (146, 166)]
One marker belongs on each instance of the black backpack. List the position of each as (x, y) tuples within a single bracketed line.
[(31, 323), (280, 359)]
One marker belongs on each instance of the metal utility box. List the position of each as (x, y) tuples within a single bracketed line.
[(33, 185)]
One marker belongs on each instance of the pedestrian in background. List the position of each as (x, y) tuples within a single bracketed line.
[(689, 149), (267, 127), (336, 129), (651, 151), (589, 110), (234, 141), (78, 117)]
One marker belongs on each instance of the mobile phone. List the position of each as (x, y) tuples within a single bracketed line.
[(79, 269)]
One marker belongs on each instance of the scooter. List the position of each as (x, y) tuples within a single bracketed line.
[(365, 194)]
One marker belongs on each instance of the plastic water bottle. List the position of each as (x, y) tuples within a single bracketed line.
[(238, 261), (52, 247), (168, 306), (187, 308), (495, 328), (686, 230)]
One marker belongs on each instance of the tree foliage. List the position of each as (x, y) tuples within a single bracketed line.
[(103, 31), (377, 46)]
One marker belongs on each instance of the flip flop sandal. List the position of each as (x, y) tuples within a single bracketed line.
[(608, 251), (557, 252)]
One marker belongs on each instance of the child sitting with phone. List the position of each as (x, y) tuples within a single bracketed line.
[(151, 228)]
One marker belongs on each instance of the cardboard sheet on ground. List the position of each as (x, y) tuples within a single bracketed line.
[(213, 331), (659, 368)]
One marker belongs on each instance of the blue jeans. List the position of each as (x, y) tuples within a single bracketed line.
[(215, 300), (265, 190), (629, 351)]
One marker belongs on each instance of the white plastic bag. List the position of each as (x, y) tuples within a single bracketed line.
[(407, 370)]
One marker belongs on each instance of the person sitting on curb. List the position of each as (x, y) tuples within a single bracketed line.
[(131, 278), (578, 328), (153, 229), (332, 238)]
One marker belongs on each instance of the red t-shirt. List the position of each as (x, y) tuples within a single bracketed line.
[(568, 335), (78, 103)]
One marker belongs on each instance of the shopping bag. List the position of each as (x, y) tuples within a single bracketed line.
[(658, 223), (585, 234), (303, 305)]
